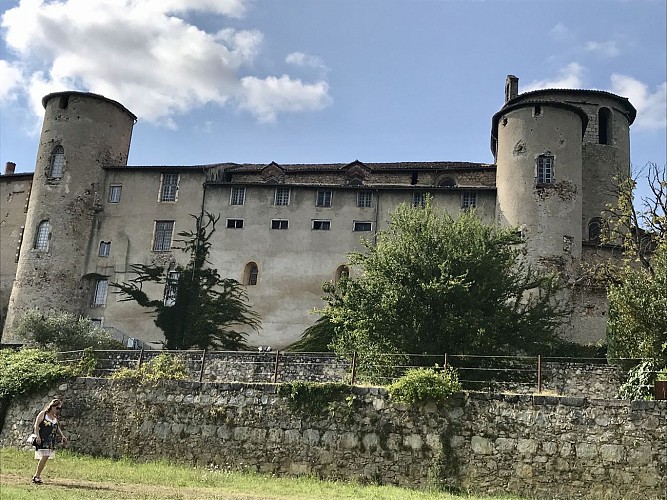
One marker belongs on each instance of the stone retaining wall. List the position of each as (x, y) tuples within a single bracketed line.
[(530, 445)]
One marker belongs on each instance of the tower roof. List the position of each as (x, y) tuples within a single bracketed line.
[(48, 97)]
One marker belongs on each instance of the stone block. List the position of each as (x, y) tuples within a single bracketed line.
[(481, 446)]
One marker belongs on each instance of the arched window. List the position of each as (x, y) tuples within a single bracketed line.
[(447, 182), (341, 273), (57, 163), (596, 229), (605, 122), (250, 274), (42, 235)]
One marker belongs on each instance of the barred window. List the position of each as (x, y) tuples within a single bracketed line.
[(365, 199), (114, 193), (105, 249), (57, 163), (468, 199), (42, 235), (237, 196), (419, 199), (545, 169), (323, 198), (164, 230), (100, 295), (281, 196), (169, 187)]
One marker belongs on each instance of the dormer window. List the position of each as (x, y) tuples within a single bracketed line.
[(57, 165)]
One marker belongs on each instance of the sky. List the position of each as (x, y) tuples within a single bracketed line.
[(324, 81)]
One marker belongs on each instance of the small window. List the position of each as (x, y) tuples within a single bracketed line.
[(414, 178), (321, 225), (238, 196), (281, 196), (279, 224), (171, 288), (114, 193), (545, 169), (169, 187), (419, 200), (365, 199), (42, 236), (363, 226), (468, 199), (323, 198), (234, 223), (105, 249), (96, 322), (604, 126), (250, 274), (447, 182), (597, 228), (57, 163), (100, 295), (537, 110), (164, 229), (343, 272)]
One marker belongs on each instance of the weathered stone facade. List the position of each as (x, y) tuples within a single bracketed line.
[(547, 447)]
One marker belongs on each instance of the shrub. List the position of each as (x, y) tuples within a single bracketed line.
[(63, 331), (29, 370), (424, 385), (162, 367), (639, 382), (312, 397)]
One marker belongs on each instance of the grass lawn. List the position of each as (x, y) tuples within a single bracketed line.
[(71, 476)]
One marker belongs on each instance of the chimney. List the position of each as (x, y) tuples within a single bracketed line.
[(9, 168), (511, 87)]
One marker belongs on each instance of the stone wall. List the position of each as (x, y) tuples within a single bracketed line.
[(530, 445)]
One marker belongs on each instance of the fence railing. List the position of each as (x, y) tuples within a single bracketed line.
[(520, 374)]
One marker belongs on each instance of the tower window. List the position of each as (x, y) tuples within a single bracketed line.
[(323, 198), (537, 110), (43, 235), (237, 196), (100, 295), (281, 196), (365, 199), (164, 230), (105, 249), (57, 163), (250, 274), (468, 199), (114, 193), (605, 121), (545, 169), (169, 187)]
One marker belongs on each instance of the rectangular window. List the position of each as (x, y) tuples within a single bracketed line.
[(162, 237), (105, 249), (545, 169), (114, 193), (237, 196), (419, 200), (281, 196), (365, 199), (279, 224), (363, 226), (97, 322), (468, 199), (100, 296), (323, 198), (234, 223), (321, 225), (169, 187), (170, 288)]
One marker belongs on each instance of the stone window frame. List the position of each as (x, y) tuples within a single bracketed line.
[(468, 200), (42, 236), (341, 271), (163, 232), (363, 226), (250, 274), (324, 198), (57, 163), (115, 192), (100, 292), (280, 224), (545, 169), (365, 199), (237, 195), (104, 249), (320, 224), (281, 196), (605, 126), (235, 223), (169, 188)]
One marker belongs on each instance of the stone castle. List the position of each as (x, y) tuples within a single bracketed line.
[(84, 216)]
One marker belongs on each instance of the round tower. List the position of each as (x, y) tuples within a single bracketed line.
[(556, 152), (81, 133)]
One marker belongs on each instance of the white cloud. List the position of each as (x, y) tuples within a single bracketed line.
[(10, 79), (570, 77), (302, 60), (651, 106), (266, 97), (560, 33), (140, 53), (606, 49)]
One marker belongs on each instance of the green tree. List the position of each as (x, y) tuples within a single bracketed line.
[(63, 331), (434, 284), (199, 308)]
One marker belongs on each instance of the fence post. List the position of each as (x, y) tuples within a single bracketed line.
[(539, 373), (445, 362), (201, 370), (354, 368), (275, 368), (141, 357)]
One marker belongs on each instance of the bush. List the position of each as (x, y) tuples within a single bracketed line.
[(29, 370), (639, 382), (424, 385), (161, 367), (63, 331), (312, 397)]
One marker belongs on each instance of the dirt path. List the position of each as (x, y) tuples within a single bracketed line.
[(89, 489)]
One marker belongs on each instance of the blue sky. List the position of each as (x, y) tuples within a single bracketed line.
[(321, 81)]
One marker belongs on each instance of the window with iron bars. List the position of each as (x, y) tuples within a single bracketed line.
[(169, 187)]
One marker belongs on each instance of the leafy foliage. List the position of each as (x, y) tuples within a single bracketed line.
[(315, 338), (312, 397), (63, 331), (207, 310), (161, 367), (639, 382), (436, 284), (29, 370), (424, 385)]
